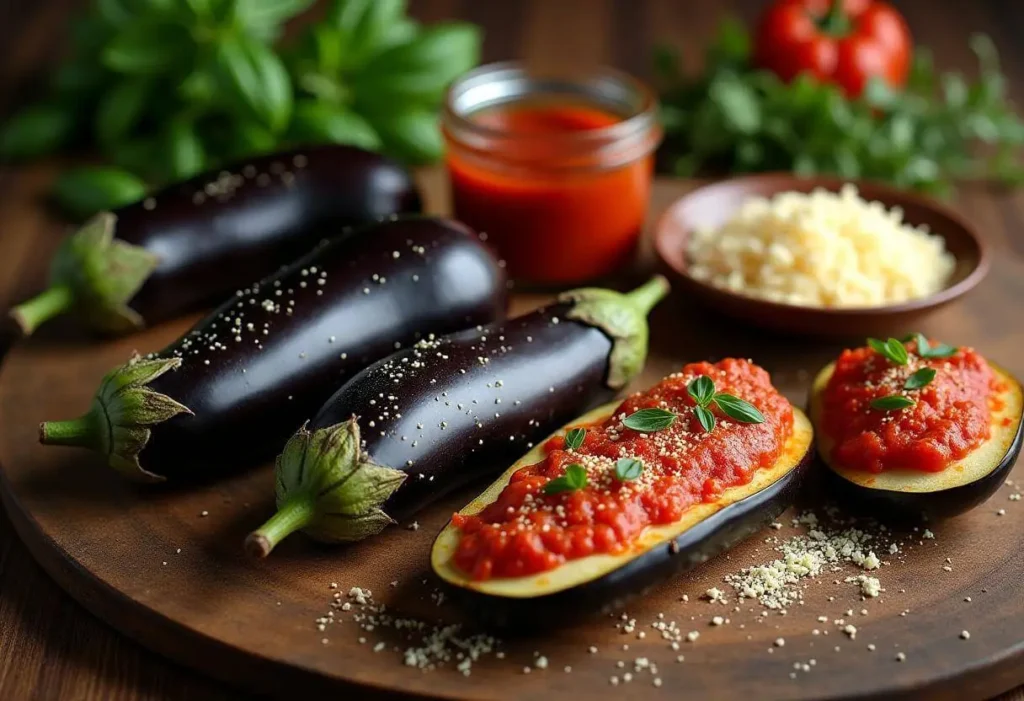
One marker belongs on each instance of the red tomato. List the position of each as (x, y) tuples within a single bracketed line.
[(845, 42)]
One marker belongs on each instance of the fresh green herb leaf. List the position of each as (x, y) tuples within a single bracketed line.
[(649, 420), (628, 469), (920, 378), (738, 409), (940, 351), (322, 122), (574, 438), (148, 47), (256, 79), (575, 477), (705, 417), (412, 136), (418, 72), (701, 389), (36, 131), (84, 191), (185, 154), (121, 108), (893, 349), (893, 402)]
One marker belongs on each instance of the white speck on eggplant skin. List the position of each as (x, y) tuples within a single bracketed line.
[(457, 432), (288, 355)]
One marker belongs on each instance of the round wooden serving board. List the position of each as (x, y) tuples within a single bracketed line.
[(166, 566)]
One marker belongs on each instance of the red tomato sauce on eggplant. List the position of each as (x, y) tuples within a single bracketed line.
[(951, 415), (526, 531), (550, 213)]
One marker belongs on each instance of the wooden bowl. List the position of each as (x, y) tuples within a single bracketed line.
[(711, 205)]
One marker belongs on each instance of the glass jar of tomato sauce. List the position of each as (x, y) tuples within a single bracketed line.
[(555, 170)]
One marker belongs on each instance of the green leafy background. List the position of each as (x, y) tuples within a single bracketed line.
[(164, 89)]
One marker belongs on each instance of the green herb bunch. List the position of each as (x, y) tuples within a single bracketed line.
[(164, 89), (938, 130)]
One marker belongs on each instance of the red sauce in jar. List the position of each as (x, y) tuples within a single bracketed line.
[(526, 531), (558, 185), (950, 417)]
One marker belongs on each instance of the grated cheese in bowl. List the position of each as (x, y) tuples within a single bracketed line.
[(822, 249)]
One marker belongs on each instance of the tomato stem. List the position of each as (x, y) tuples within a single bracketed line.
[(836, 23)]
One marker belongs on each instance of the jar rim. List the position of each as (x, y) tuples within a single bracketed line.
[(615, 90)]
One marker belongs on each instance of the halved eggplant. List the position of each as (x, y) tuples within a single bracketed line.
[(914, 493), (604, 582)]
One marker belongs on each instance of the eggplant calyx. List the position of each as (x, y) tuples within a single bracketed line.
[(94, 275), (623, 317), (118, 423), (328, 488)]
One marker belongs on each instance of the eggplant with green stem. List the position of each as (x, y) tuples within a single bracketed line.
[(194, 242), (229, 392), (429, 419)]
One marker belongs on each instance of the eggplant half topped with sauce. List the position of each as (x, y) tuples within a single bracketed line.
[(916, 428), (627, 495), (429, 419), (229, 392), (195, 242)]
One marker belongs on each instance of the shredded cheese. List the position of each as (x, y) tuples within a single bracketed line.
[(822, 249)]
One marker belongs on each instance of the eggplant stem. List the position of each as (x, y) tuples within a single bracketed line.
[(53, 301), (291, 516), (80, 432), (649, 294)]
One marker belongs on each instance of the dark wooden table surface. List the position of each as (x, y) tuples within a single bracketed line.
[(50, 648)]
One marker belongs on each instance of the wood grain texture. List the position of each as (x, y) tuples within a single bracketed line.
[(49, 646)]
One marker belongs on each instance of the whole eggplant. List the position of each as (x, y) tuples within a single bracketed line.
[(196, 241), (232, 389), (431, 418)]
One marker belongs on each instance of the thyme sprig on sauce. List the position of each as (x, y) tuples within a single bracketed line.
[(702, 391)]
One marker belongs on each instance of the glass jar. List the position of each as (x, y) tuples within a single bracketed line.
[(555, 170)]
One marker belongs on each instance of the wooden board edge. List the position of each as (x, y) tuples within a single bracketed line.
[(167, 638)]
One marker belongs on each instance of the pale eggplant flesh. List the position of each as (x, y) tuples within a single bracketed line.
[(913, 494), (603, 583)]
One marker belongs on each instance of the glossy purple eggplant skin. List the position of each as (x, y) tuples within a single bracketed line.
[(610, 592), (462, 407), (222, 230), (262, 363)]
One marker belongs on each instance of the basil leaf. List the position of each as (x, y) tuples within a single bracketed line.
[(920, 378), (739, 106), (649, 420), (255, 78), (574, 438), (705, 417), (413, 136), (575, 477), (86, 191), (146, 48), (143, 156), (892, 402), (121, 108), (185, 153), (628, 469), (941, 351), (264, 14), (319, 122), (36, 131), (367, 27), (891, 348), (738, 409), (418, 71), (701, 389)]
